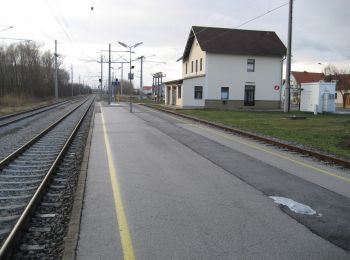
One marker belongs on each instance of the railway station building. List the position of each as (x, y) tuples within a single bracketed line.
[(229, 69)]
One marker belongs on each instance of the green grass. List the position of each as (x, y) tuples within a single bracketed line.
[(328, 133)]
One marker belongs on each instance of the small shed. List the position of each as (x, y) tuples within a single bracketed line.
[(317, 97)]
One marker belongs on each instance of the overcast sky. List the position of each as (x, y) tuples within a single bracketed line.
[(321, 31)]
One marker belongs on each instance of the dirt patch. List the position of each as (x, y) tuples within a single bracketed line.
[(15, 104)]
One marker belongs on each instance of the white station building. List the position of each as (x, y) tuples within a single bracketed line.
[(229, 69)]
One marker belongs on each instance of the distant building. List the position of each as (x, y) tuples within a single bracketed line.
[(342, 88), (296, 79), (229, 68), (299, 77), (147, 90)]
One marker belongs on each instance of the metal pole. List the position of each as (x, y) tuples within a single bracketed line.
[(79, 86), (113, 86), (130, 67), (289, 55), (56, 77), (158, 88), (141, 79), (121, 81), (101, 73), (72, 78), (109, 74)]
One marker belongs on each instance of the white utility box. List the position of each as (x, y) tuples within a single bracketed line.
[(317, 97)]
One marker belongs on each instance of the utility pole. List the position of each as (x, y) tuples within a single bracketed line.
[(141, 79), (121, 81), (56, 76), (109, 74), (289, 56), (101, 73), (130, 77), (72, 78)]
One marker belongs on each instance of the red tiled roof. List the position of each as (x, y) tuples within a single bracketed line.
[(307, 77)]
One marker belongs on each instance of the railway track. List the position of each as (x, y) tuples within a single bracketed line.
[(17, 130), (13, 118), (26, 173), (280, 144)]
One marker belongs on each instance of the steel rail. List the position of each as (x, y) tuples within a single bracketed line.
[(323, 157), (48, 107), (11, 239), (24, 147)]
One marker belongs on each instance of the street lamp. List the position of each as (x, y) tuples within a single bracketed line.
[(130, 47)]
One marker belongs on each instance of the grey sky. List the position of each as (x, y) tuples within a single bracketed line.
[(320, 34)]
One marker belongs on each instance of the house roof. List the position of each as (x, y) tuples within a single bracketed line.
[(234, 41), (147, 87), (174, 82), (307, 77)]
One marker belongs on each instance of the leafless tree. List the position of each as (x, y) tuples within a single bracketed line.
[(27, 71)]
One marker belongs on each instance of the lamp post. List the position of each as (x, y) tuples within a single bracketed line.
[(130, 48)]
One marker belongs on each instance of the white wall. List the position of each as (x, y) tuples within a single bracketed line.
[(196, 53), (188, 92), (312, 96), (224, 70)]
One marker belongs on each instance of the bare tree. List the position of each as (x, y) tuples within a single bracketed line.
[(128, 89), (27, 71), (342, 77)]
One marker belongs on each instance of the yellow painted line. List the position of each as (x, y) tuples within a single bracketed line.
[(128, 251), (216, 132)]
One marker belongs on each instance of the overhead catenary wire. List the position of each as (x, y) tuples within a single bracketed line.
[(7, 28), (15, 39), (63, 23)]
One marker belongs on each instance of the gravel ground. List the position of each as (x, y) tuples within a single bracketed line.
[(15, 135), (44, 237)]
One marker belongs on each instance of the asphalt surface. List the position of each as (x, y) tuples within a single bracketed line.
[(194, 195)]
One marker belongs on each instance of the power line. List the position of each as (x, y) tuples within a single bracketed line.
[(7, 28), (15, 39), (259, 16), (253, 19), (66, 32)]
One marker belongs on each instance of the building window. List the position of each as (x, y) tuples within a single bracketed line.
[(198, 92), (249, 95), (200, 64), (224, 93), (178, 92), (251, 65), (196, 65), (186, 67), (191, 66)]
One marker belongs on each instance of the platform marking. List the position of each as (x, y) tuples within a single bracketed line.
[(128, 251), (216, 132)]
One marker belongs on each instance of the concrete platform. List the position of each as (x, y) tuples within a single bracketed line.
[(178, 204)]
